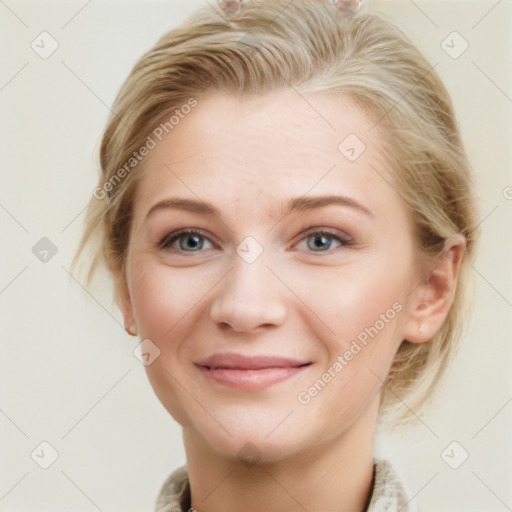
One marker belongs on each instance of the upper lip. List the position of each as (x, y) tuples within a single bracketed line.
[(241, 362)]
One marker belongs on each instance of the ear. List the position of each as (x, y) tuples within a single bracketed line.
[(433, 298), (125, 304)]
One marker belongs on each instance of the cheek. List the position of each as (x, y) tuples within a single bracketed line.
[(162, 298), (353, 298), (163, 307), (365, 315), (364, 305)]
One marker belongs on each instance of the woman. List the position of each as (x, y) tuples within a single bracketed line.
[(312, 160)]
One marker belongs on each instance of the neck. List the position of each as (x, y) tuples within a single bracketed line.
[(333, 475)]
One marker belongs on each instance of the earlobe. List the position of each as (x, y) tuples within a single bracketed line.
[(132, 330), (434, 297)]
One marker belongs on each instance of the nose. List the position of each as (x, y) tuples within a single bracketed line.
[(249, 297)]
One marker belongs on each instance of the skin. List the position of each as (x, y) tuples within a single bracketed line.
[(248, 157)]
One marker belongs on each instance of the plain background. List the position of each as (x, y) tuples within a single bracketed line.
[(68, 372)]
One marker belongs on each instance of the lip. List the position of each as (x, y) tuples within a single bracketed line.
[(251, 373)]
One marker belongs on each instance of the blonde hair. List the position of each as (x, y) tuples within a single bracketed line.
[(308, 45)]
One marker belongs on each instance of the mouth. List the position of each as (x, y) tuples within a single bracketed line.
[(250, 373)]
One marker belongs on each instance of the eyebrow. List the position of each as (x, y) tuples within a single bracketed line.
[(296, 204)]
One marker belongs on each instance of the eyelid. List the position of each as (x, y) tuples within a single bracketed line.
[(171, 237), (312, 230)]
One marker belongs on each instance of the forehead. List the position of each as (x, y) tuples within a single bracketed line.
[(265, 148)]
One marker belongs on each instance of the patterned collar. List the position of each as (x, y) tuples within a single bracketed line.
[(387, 495)]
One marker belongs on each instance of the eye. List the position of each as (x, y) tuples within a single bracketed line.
[(193, 240), (322, 239), (190, 240)]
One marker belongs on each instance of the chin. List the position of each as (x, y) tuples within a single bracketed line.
[(256, 434), (250, 447)]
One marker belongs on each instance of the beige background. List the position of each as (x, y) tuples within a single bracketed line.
[(68, 373)]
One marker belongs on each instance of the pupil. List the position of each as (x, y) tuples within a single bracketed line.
[(195, 243), (320, 241)]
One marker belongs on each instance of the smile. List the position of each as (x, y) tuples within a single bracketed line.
[(250, 373)]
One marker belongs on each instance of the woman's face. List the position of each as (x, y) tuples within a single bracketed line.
[(270, 331)]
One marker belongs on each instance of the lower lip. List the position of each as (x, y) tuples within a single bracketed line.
[(251, 380)]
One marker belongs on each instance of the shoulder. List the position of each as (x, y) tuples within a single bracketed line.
[(174, 495), (389, 493)]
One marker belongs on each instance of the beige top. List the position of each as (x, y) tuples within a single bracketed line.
[(388, 493)]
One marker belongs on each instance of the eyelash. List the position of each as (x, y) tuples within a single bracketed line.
[(170, 238)]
